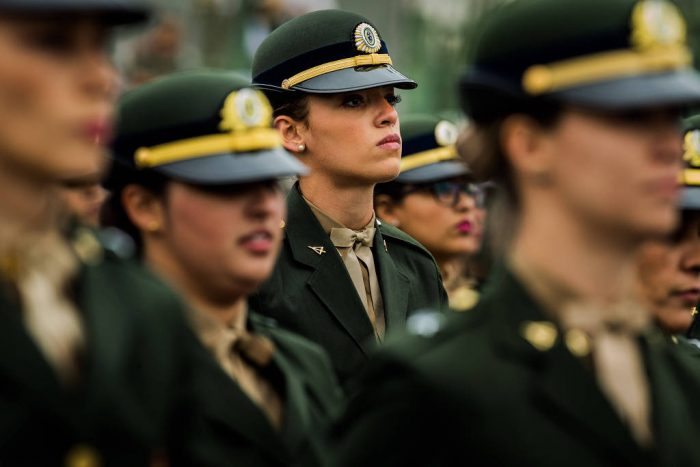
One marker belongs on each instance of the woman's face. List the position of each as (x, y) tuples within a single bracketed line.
[(669, 276), (353, 138), (57, 89), (447, 230), (617, 172), (224, 240)]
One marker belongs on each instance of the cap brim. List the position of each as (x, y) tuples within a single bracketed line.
[(110, 12), (355, 79), (690, 199), (225, 169), (433, 172), (676, 89)]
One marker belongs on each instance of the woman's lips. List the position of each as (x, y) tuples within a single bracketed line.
[(464, 227), (98, 131), (391, 142), (258, 242), (690, 296)]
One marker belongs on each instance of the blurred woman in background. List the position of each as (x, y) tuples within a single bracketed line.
[(435, 201), (91, 364), (195, 184)]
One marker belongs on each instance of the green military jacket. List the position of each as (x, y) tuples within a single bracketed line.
[(237, 432), (478, 393), (312, 294), (131, 407)]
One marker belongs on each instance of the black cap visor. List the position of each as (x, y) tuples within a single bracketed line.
[(355, 79), (433, 172), (676, 89), (224, 169), (679, 88), (110, 12), (690, 199)]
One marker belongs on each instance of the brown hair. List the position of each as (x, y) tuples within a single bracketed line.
[(295, 105)]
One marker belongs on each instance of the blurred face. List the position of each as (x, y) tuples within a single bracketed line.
[(56, 94), (441, 216), (353, 138), (224, 240), (669, 276), (84, 198), (618, 172)]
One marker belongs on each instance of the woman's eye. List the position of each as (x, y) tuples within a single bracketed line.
[(51, 41), (393, 99), (353, 101)]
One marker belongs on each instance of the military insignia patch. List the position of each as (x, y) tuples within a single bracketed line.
[(657, 24), (367, 39), (244, 109), (446, 133)]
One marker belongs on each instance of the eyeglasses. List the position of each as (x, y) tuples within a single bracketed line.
[(448, 192)]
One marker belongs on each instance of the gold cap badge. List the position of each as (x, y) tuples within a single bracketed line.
[(244, 109), (367, 39), (657, 24), (446, 133)]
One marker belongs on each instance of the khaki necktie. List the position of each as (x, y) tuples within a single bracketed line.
[(239, 353), (50, 317), (359, 261), (617, 359)]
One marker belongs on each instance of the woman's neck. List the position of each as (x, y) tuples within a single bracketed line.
[(225, 310), (591, 263), (25, 202), (350, 205)]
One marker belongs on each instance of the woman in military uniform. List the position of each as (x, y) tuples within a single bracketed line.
[(434, 201), (558, 364), (343, 279), (194, 183), (91, 367)]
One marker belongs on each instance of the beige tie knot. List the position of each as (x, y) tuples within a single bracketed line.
[(348, 238)]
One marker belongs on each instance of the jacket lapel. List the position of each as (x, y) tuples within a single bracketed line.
[(562, 388), (328, 279), (672, 390), (106, 328), (21, 361), (393, 283), (225, 403)]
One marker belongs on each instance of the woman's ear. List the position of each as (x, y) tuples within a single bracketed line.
[(528, 147), (290, 131), (144, 208), (386, 210)]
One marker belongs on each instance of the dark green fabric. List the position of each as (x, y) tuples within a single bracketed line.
[(236, 431), (133, 404), (307, 41), (313, 295), (477, 393)]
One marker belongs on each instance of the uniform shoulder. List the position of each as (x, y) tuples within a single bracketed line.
[(396, 235), (427, 331), (290, 343)]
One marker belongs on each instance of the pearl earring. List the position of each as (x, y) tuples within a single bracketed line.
[(301, 147)]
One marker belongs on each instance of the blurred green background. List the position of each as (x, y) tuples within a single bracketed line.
[(426, 38)]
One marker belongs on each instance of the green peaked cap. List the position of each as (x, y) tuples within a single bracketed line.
[(609, 54), (114, 12), (205, 127), (325, 51)]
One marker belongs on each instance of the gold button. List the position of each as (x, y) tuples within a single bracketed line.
[(83, 455), (540, 334), (578, 343)]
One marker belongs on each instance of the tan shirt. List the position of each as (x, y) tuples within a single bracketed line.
[(359, 262), (223, 342)]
